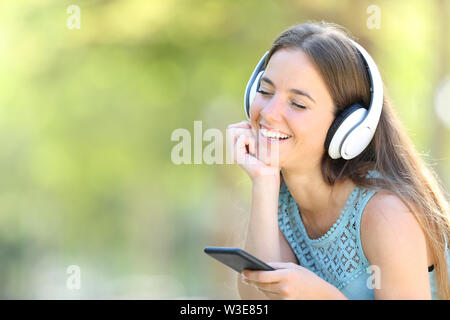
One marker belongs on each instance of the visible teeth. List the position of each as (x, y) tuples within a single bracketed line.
[(272, 134)]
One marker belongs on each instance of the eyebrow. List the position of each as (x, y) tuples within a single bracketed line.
[(296, 91)]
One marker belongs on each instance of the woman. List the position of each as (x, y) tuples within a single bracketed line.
[(371, 227)]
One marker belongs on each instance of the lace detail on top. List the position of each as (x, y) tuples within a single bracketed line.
[(337, 256)]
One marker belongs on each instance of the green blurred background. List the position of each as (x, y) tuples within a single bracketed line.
[(86, 117)]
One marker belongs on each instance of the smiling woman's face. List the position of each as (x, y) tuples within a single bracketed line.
[(292, 100)]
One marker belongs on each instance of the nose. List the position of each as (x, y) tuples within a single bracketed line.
[(273, 109)]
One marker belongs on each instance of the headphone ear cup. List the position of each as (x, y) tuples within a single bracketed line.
[(355, 113)]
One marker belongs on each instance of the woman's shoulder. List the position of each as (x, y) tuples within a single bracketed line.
[(383, 202), (389, 226), (386, 213)]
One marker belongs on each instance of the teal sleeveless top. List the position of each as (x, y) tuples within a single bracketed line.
[(337, 256)]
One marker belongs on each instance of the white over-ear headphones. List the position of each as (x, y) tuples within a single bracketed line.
[(353, 129)]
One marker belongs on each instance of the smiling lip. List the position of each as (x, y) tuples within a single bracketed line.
[(270, 140), (275, 130)]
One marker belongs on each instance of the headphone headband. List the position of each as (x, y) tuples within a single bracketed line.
[(248, 98), (376, 90)]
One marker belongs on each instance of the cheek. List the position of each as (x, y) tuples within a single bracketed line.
[(255, 108), (310, 132)]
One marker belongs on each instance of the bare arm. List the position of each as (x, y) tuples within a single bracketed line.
[(394, 242), (264, 238)]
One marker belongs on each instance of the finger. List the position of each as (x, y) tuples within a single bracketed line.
[(242, 155), (231, 139), (271, 296), (275, 290), (234, 134), (273, 287), (238, 129), (242, 124), (252, 146), (262, 287), (280, 265), (263, 276), (241, 132), (271, 293)]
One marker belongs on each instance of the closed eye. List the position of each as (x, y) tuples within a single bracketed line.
[(293, 103), (262, 92), (298, 105)]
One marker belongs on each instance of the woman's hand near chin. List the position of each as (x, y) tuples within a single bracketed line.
[(245, 152)]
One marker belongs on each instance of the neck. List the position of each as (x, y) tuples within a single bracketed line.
[(318, 202)]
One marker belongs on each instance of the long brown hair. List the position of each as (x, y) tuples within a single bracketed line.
[(391, 152)]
